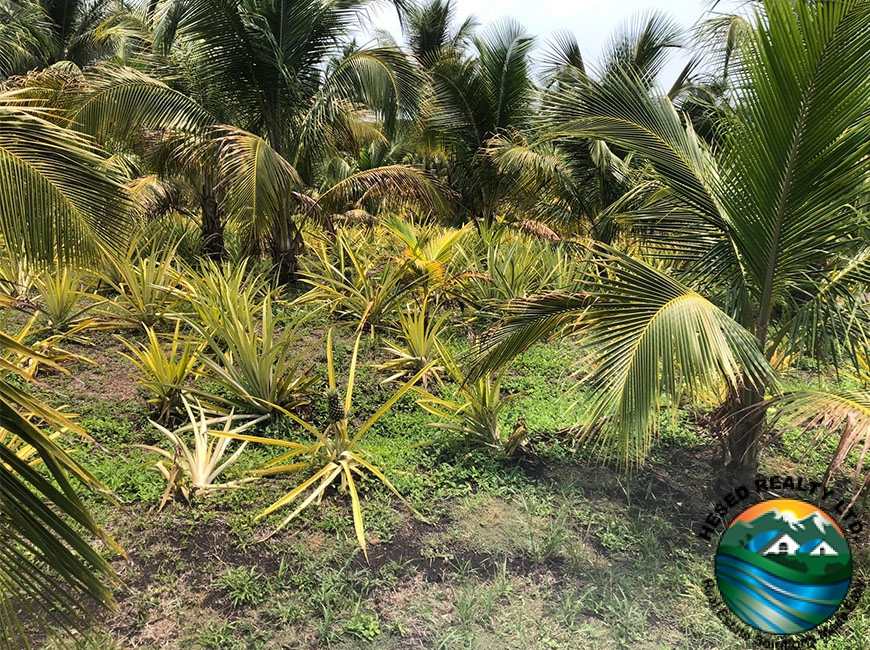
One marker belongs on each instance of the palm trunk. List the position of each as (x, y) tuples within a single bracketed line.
[(745, 429), (745, 415), (287, 244), (212, 226)]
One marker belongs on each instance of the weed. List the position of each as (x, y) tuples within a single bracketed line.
[(363, 625), (245, 586), (232, 635)]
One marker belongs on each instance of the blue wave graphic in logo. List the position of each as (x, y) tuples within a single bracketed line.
[(771, 603)]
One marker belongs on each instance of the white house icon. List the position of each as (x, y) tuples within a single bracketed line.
[(782, 545), (823, 549)]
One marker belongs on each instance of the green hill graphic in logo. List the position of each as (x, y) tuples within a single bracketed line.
[(783, 566)]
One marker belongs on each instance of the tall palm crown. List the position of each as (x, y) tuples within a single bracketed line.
[(474, 97), (430, 33), (262, 66), (37, 33), (570, 182)]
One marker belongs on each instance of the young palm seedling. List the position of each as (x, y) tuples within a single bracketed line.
[(475, 412), (192, 471), (335, 453)]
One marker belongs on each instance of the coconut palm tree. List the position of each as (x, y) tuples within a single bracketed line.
[(473, 99), (430, 33), (284, 92), (59, 200), (39, 33), (573, 184), (750, 247)]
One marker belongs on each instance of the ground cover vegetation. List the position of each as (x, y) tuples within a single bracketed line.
[(439, 343)]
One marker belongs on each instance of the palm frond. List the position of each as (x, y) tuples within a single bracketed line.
[(49, 570), (641, 46), (395, 184), (827, 413), (256, 180), (75, 203), (797, 145), (119, 102), (528, 321)]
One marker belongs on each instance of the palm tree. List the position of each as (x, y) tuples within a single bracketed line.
[(750, 248), (575, 184), (39, 33), (270, 93), (430, 34), (473, 99), (59, 200)]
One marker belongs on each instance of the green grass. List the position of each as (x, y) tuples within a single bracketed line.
[(551, 550)]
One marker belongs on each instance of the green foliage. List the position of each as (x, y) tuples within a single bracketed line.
[(144, 287), (429, 253), (216, 292), (255, 363), (504, 266), (477, 412), (335, 452), (45, 530), (63, 300), (73, 199), (420, 328), (232, 635), (164, 372), (16, 274), (353, 285), (245, 585), (363, 625), (728, 227)]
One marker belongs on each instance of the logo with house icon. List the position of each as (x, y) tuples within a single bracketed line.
[(783, 566)]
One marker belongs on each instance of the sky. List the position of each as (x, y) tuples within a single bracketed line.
[(591, 21)]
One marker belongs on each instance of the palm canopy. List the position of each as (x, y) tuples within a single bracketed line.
[(763, 224), (577, 184), (38, 33), (259, 98), (473, 99), (280, 69), (430, 33)]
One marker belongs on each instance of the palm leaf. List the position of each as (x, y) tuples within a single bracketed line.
[(119, 102), (822, 414), (49, 570), (257, 180), (395, 184), (75, 204)]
